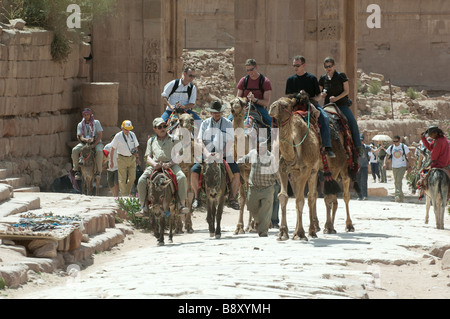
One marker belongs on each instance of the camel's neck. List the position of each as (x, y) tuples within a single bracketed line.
[(286, 138)]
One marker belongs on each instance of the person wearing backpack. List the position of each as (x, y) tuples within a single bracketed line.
[(180, 93), (257, 89), (398, 153)]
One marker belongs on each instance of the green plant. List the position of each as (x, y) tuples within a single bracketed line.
[(131, 206), (52, 15), (12, 9), (375, 87), (2, 283), (412, 94)]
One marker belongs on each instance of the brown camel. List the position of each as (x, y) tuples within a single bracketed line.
[(238, 111), (300, 160), (186, 122), (339, 168)]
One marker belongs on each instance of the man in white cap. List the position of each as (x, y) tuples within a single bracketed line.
[(159, 156), (126, 145), (89, 130)]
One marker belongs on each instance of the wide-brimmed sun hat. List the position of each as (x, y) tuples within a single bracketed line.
[(216, 107)]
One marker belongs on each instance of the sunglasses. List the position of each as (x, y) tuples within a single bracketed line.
[(297, 65), (192, 76), (161, 126), (328, 66), (395, 141), (250, 70)]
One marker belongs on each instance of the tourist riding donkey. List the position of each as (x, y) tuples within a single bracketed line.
[(435, 179), (89, 134), (162, 176)]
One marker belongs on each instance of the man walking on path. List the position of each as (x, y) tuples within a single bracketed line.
[(398, 153)]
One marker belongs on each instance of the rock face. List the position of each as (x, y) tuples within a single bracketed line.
[(215, 76), (406, 113)]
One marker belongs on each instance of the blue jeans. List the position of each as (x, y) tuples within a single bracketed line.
[(352, 125), (264, 114), (276, 204), (165, 116), (324, 122), (362, 177)]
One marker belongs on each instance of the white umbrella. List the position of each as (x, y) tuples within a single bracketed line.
[(382, 138)]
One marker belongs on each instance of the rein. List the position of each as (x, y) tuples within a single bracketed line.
[(291, 114)]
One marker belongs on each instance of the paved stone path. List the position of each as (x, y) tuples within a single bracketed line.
[(246, 266)]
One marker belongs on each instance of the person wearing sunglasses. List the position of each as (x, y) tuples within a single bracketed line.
[(180, 93), (256, 89), (335, 88), (400, 156), (159, 156), (303, 80)]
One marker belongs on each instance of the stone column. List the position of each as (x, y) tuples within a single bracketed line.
[(103, 99)]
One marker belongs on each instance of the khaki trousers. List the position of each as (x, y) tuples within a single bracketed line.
[(398, 178), (127, 173), (260, 205)]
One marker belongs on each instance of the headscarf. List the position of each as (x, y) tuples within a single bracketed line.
[(91, 122)]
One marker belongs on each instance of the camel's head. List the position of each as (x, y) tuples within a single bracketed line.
[(282, 108), (187, 121), (237, 107)]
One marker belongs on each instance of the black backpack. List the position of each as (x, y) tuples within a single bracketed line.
[(175, 87), (261, 83)]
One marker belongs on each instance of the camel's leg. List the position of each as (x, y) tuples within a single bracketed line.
[(348, 222), (283, 233), (299, 189), (428, 204), (328, 227), (312, 201), (97, 185), (242, 199), (188, 218)]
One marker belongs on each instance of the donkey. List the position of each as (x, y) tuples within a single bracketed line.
[(162, 196), (437, 191), (215, 186), (87, 165)]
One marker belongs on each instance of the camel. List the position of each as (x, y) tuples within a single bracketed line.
[(300, 160), (238, 111), (87, 166), (186, 121), (339, 168)]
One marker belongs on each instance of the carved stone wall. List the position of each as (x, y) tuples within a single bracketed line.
[(412, 47), (273, 32), (139, 48)]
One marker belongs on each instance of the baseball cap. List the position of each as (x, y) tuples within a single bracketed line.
[(127, 125)]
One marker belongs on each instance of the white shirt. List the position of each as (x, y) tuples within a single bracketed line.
[(108, 148), (180, 94), (217, 134), (88, 130), (398, 158), (123, 144)]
